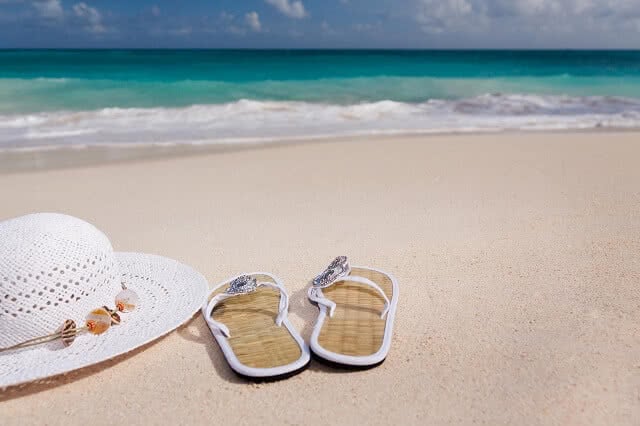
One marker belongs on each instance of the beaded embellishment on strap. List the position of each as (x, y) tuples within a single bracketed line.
[(97, 322), (245, 284), (336, 269), (340, 270)]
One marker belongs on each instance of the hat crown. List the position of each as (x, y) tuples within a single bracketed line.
[(53, 267)]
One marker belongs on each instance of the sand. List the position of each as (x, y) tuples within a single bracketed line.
[(518, 257)]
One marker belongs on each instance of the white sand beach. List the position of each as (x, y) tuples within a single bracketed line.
[(518, 258)]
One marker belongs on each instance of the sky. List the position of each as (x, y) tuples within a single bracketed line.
[(522, 24)]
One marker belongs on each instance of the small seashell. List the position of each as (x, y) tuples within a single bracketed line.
[(115, 317), (98, 321), (127, 300), (68, 332)]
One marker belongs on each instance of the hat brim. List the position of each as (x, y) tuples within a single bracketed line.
[(170, 294)]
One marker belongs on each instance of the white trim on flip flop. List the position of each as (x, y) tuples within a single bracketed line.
[(338, 271), (244, 284)]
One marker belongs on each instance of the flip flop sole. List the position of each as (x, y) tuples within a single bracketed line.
[(342, 366), (268, 379), (257, 348), (356, 337)]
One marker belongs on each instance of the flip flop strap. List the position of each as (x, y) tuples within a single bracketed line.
[(315, 293), (283, 307)]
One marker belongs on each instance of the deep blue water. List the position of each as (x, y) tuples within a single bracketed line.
[(45, 80)]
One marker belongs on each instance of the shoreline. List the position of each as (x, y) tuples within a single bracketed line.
[(19, 160)]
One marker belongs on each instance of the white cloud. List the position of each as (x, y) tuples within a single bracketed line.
[(293, 9), (233, 29), (252, 19), (544, 18), (91, 16), (226, 17), (227, 20), (50, 9), (181, 32), (436, 16), (362, 27), (326, 28), (240, 25)]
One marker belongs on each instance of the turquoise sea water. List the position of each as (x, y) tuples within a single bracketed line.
[(83, 96), (49, 80)]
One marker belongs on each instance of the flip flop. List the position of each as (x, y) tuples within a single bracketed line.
[(357, 308), (248, 319)]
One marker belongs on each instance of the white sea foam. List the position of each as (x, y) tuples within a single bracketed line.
[(263, 121)]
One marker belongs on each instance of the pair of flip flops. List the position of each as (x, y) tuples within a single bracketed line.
[(247, 316)]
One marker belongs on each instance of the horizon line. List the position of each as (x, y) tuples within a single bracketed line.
[(337, 48)]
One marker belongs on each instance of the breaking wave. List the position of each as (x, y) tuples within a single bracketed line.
[(263, 121)]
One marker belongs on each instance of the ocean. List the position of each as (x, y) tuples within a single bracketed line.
[(83, 97)]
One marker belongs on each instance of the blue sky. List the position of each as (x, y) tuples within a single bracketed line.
[(321, 23)]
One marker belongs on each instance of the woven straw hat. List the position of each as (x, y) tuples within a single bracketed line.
[(55, 267)]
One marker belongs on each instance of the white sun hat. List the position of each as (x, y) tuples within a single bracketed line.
[(55, 268)]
